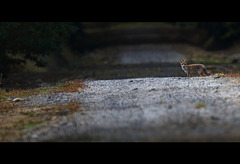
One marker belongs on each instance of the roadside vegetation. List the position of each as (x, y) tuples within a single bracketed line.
[(14, 118), (67, 87)]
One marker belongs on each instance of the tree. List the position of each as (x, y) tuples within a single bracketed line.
[(31, 40), (220, 34)]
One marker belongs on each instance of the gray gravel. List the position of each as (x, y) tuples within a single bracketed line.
[(146, 109)]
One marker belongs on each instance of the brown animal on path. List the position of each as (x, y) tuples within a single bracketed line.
[(188, 69)]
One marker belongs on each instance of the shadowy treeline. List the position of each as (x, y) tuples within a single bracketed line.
[(218, 35), (21, 41)]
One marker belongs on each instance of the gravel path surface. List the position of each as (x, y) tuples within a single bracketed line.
[(147, 109)]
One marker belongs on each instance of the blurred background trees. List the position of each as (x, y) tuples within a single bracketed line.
[(31, 40), (219, 35), (21, 41)]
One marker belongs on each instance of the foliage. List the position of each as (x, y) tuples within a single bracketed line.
[(219, 74), (79, 41), (223, 34), (236, 75), (218, 35), (232, 74), (31, 40)]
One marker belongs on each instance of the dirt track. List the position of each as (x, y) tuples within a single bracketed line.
[(148, 109)]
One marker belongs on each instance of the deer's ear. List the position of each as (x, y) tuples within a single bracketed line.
[(185, 60)]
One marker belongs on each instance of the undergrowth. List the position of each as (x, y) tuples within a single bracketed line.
[(235, 74), (67, 87), (15, 118), (232, 75)]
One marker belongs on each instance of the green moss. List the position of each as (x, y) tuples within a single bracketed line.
[(31, 124), (200, 105)]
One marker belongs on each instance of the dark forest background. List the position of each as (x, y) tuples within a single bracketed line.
[(32, 41)]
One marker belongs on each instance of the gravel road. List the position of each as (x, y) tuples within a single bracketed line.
[(146, 109)]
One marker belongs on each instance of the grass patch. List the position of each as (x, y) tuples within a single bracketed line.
[(72, 106), (211, 61), (29, 124), (26, 123), (2, 94), (14, 118), (7, 105), (200, 105), (29, 113), (235, 76), (69, 86), (232, 75)]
